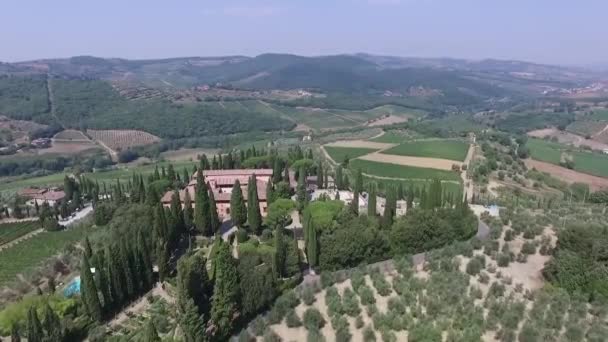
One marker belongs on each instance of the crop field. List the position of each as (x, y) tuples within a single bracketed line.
[(591, 163), (397, 111), (13, 231), (545, 150), (600, 115), (70, 134), (586, 127), (401, 171), (27, 255), (123, 139), (338, 154), (444, 149)]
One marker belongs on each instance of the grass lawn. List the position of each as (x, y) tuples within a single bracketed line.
[(445, 149), (401, 171), (339, 153), (545, 151), (12, 231), (592, 163), (397, 136), (600, 115), (27, 255)]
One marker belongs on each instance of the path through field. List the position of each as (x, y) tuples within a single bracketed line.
[(361, 144), (468, 184)]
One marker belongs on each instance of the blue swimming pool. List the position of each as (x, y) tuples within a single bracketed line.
[(73, 288)]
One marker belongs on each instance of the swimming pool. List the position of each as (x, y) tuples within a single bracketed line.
[(73, 288)]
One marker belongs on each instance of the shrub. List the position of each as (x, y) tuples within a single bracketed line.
[(381, 285), (521, 258), (528, 333), (389, 336), (367, 295), (314, 335), (357, 279), (474, 266), (350, 303), (484, 278), (266, 235), (359, 322), (509, 235), (496, 290), (292, 319), (244, 336), (327, 279), (271, 336), (528, 248), (241, 235), (333, 302), (368, 334), (313, 320), (424, 332), (308, 296), (476, 243), (258, 326), (503, 260)]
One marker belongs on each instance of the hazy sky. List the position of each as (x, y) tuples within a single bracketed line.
[(552, 31)]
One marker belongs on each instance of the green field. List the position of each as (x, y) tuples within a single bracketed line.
[(338, 154), (124, 173), (600, 115), (27, 255), (592, 163), (398, 111), (546, 151), (12, 231), (401, 171), (445, 149)]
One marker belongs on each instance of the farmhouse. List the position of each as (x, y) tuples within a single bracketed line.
[(221, 183), (40, 196)]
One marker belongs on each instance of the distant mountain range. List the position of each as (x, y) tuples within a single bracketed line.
[(338, 73)]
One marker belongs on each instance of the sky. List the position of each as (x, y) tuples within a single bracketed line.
[(546, 31)]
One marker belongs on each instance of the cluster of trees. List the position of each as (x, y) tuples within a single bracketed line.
[(579, 261), (26, 165), (336, 236)]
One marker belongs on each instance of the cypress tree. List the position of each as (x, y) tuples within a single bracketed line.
[(390, 207), (356, 191), (301, 190), (192, 323), (105, 286), (163, 173), (144, 254), (214, 220), (188, 211), (238, 211), (52, 324), (115, 278), (193, 283), (151, 335), (339, 178), (171, 173), (320, 179), (312, 243), (128, 268), (225, 292), (280, 252), (15, 335), (35, 333), (270, 195), (286, 173), (89, 291), (185, 177), (156, 174), (276, 170), (88, 251), (292, 258), (201, 207), (372, 200), (162, 259), (253, 206)]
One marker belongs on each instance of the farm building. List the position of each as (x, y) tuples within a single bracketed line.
[(221, 183), (42, 195)]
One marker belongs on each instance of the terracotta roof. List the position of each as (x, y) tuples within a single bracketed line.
[(236, 172), (51, 195), (219, 196), (29, 192)]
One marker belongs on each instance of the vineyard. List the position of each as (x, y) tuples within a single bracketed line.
[(70, 134), (122, 139), (29, 254), (15, 230)]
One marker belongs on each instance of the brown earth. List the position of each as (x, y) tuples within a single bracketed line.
[(433, 163), (389, 120), (571, 138), (567, 175), (361, 144)]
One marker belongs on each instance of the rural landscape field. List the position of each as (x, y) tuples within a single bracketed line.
[(166, 177)]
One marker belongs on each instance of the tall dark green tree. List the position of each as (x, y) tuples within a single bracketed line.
[(201, 206), (356, 192), (188, 211), (390, 208), (301, 197), (90, 296), (339, 178), (225, 303), (193, 283), (292, 257), (270, 194), (52, 325), (150, 334), (254, 216), (311, 239), (280, 252), (15, 334), (320, 177), (143, 253), (35, 333), (372, 200), (192, 323), (238, 211), (214, 220), (128, 269)]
